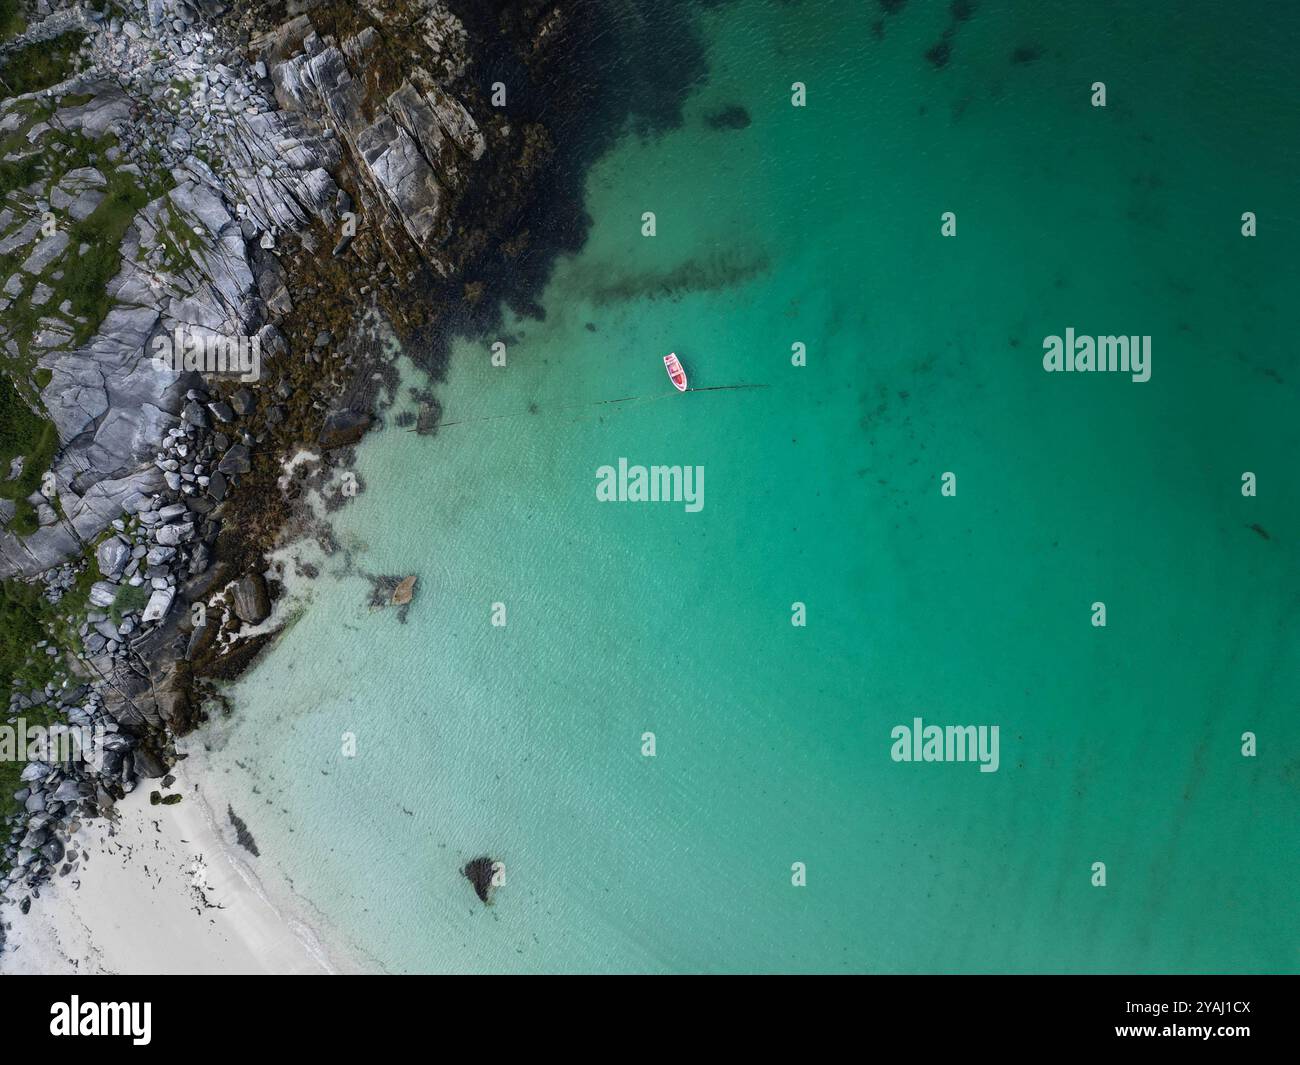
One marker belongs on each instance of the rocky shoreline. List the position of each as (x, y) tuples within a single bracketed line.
[(309, 178)]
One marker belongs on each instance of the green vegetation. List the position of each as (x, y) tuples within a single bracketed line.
[(12, 22), (22, 665), (15, 142), (85, 278), (38, 66), (19, 173), (11, 771), (85, 282), (22, 627), (63, 621), (129, 599), (25, 433), (27, 618), (79, 280), (179, 238)]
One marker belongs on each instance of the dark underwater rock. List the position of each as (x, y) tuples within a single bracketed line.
[(733, 116), (478, 872), (343, 429), (939, 55), (244, 837)]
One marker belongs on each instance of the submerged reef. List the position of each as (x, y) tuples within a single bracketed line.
[(479, 872)]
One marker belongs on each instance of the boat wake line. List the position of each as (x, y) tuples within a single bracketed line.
[(533, 413)]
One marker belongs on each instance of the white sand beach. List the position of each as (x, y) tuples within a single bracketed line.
[(167, 889)]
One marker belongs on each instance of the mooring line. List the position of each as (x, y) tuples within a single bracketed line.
[(586, 406)]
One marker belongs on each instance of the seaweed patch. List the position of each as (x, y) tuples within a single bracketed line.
[(939, 55), (733, 116), (706, 274)]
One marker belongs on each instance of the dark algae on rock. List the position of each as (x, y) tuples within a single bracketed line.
[(479, 871)]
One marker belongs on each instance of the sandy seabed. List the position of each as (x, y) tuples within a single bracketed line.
[(166, 889)]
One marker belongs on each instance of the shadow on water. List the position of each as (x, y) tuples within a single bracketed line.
[(617, 67)]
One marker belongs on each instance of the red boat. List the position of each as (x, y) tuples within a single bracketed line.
[(675, 372)]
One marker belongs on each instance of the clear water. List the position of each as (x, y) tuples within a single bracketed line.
[(820, 225)]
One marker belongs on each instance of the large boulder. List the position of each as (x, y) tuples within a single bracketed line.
[(148, 764), (404, 176), (405, 591), (102, 593), (252, 604), (343, 429), (159, 603), (113, 555)]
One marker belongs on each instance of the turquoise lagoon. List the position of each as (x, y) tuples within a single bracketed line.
[(820, 225)]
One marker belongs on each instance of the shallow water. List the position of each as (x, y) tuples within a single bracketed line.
[(820, 225)]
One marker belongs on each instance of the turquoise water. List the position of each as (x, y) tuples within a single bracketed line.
[(820, 225)]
